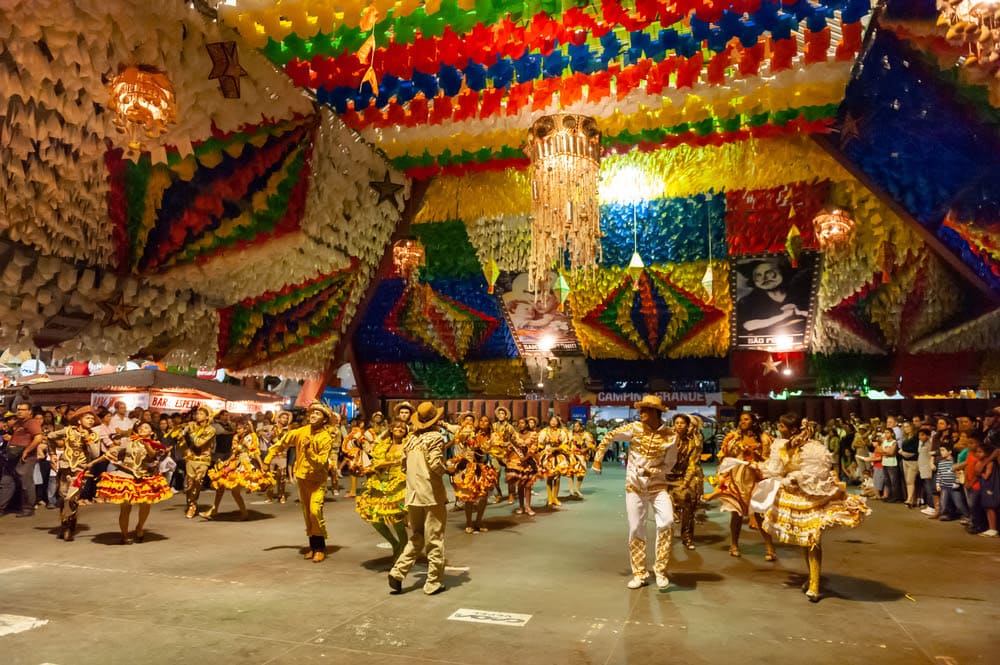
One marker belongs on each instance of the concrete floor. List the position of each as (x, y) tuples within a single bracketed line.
[(900, 589)]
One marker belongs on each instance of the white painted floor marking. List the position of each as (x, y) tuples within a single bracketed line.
[(12, 623), (486, 616), (13, 568)]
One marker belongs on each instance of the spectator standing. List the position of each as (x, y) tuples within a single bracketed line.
[(925, 466), (952, 495), (120, 423), (26, 435), (909, 451)]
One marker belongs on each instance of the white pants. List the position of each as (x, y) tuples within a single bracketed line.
[(637, 509)]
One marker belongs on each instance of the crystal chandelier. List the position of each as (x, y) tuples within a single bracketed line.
[(832, 227), (565, 152), (976, 24), (141, 99), (408, 256)]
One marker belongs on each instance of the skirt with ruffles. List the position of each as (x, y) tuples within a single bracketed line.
[(473, 480), (126, 489), (555, 464), (521, 471), (797, 518), (232, 474), (384, 498)]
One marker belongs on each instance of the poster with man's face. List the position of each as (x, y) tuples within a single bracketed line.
[(774, 301), (536, 322)]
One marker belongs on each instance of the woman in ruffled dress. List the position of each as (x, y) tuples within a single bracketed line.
[(741, 453), (243, 470), (472, 476), (522, 466), (350, 457), (136, 478), (382, 504), (553, 441), (581, 443), (801, 496)]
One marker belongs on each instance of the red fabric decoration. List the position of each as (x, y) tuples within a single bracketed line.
[(817, 45), (782, 52), (716, 72), (759, 220), (850, 43)]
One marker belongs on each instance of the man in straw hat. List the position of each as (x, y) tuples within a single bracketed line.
[(199, 439), (423, 462), (651, 453), (81, 449), (313, 445)]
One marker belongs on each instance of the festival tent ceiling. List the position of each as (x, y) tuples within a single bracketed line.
[(251, 232)]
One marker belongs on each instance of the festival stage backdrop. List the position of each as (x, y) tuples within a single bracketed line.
[(774, 300)]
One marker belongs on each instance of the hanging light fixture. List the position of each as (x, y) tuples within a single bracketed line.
[(408, 255), (975, 24), (565, 153), (141, 99), (832, 227)]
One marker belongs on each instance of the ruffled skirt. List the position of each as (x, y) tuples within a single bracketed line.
[(234, 474), (521, 472), (473, 481), (797, 518), (126, 489), (384, 498)]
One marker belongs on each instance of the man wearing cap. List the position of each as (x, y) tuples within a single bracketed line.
[(313, 444), (652, 451), (81, 448), (423, 462), (199, 439)]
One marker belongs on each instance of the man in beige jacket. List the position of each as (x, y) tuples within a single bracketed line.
[(423, 462)]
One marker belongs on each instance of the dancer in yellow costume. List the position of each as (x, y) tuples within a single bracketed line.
[(801, 496), (553, 441), (581, 446), (136, 479), (243, 470), (199, 439), (313, 444), (685, 479), (651, 452), (383, 503), (741, 453), (81, 449)]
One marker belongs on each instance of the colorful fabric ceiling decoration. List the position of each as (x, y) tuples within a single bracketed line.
[(436, 321), (261, 329), (652, 72), (761, 220), (233, 191), (664, 317), (921, 137)]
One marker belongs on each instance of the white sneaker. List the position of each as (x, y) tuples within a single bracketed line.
[(662, 582), (990, 533), (928, 511), (636, 582)]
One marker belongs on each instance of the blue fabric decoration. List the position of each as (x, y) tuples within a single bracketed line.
[(669, 230)]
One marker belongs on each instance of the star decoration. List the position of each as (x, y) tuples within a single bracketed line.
[(849, 129), (385, 188), (226, 67), (116, 312), (770, 365)]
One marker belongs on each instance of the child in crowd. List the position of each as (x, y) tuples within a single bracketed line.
[(949, 489)]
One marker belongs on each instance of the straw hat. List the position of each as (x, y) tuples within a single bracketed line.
[(75, 416), (401, 405), (425, 417), (322, 408), (650, 402), (501, 408)]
